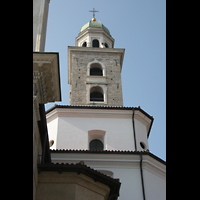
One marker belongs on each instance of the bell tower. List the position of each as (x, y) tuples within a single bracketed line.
[(94, 67)]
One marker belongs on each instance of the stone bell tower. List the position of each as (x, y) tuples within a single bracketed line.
[(94, 67)]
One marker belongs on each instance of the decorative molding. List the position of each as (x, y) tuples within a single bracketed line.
[(108, 161), (96, 80), (142, 118), (90, 113)]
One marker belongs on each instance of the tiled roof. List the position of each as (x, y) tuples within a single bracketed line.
[(104, 107), (107, 152), (70, 167), (81, 168), (99, 107)]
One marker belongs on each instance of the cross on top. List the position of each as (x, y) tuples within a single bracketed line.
[(93, 12)]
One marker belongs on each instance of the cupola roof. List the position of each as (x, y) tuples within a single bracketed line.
[(95, 24)]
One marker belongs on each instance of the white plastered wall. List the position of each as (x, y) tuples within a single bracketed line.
[(52, 131), (125, 167), (141, 135), (70, 130)]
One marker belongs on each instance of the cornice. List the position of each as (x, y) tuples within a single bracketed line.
[(143, 119), (97, 49), (122, 160), (88, 113), (152, 165)]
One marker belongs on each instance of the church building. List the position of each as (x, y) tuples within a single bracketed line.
[(96, 128), (93, 148)]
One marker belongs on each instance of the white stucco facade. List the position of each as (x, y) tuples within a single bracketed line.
[(73, 128), (126, 167)]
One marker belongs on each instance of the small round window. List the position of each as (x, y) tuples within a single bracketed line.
[(51, 142), (142, 145)]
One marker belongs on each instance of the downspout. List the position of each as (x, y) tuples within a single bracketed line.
[(134, 130), (141, 172)]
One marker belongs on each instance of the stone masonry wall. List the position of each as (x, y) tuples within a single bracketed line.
[(78, 90)]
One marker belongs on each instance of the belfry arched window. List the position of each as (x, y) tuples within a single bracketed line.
[(96, 94), (84, 44), (95, 43), (96, 70), (96, 145), (106, 45)]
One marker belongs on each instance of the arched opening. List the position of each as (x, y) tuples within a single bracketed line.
[(95, 43), (84, 44), (96, 94), (96, 145), (106, 45), (96, 70)]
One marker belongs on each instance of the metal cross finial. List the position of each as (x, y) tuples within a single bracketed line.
[(93, 12)]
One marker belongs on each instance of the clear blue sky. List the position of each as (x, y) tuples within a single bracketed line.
[(138, 26)]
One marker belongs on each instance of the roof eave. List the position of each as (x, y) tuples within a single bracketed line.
[(114, 184), (108, 152)]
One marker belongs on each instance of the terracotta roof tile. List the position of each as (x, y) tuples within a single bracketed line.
[(81, 168)]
